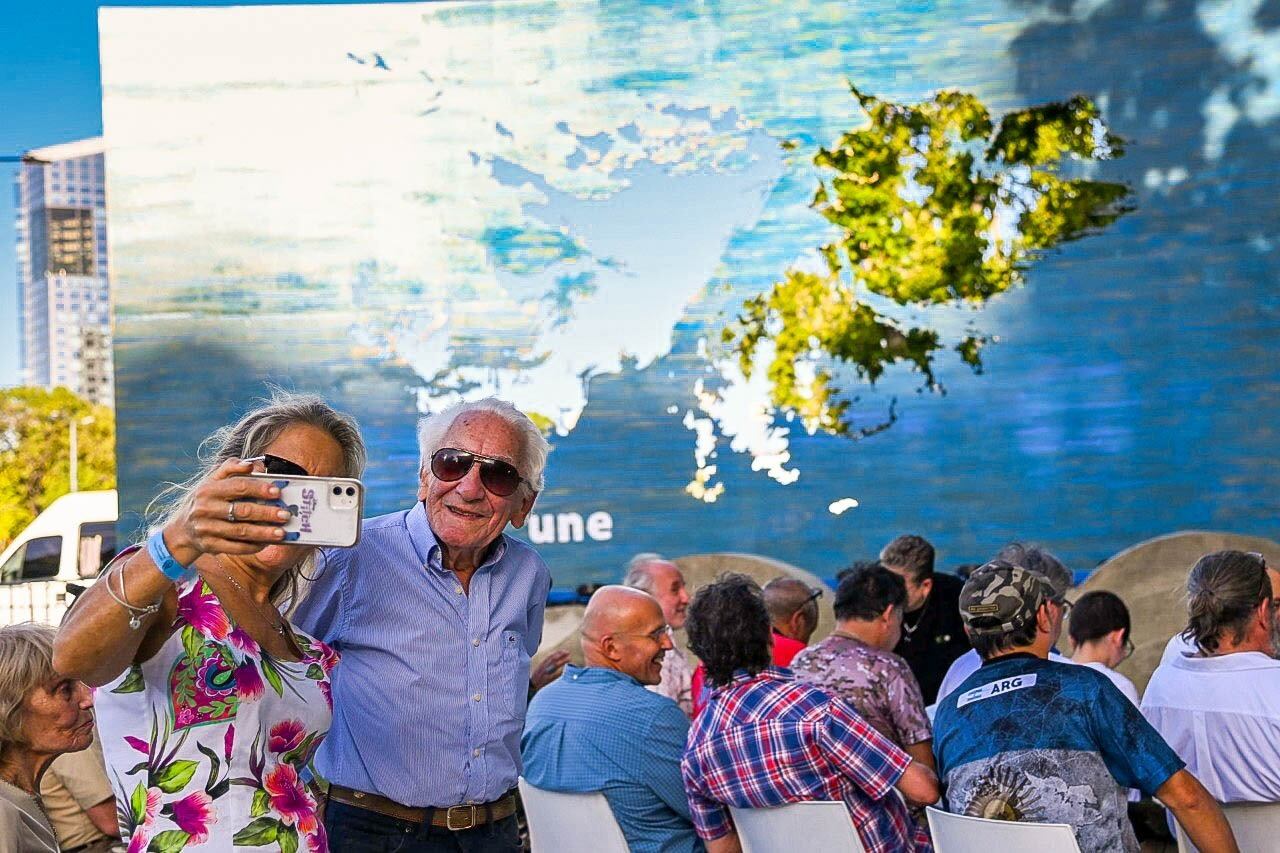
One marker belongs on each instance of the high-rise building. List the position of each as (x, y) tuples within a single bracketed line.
[(62, 270)]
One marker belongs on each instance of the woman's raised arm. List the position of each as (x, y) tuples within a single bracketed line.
[(128, 613)]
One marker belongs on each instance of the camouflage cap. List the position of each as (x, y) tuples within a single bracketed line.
[(1000, 597)]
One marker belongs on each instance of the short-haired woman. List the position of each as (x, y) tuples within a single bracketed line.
[(42, 715), (212, 703)]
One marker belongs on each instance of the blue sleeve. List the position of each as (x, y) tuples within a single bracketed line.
[(1134, 752), (320, 612), (537, 609), (660, 755)]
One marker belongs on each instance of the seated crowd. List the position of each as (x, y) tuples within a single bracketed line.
[(258, 694)]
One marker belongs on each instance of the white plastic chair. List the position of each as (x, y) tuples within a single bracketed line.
[(824, 826), (954, 833), (1256, 827), (570, 823)]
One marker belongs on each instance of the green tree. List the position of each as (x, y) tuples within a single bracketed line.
[(933, 203), (34, 451)]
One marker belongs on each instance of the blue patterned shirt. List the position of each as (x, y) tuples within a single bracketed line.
[(597, 729), (1036, 740), (429, 701)]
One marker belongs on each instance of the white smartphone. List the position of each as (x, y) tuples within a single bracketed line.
[(326, 510)]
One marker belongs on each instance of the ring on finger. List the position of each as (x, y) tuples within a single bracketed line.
[(231, 512)]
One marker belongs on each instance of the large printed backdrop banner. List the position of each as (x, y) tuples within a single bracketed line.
[(566, 204)]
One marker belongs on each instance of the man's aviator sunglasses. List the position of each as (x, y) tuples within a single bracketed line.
[(501, 478)]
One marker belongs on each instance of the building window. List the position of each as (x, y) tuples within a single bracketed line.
[(70, 240)]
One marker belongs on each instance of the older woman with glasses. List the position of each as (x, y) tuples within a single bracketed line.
[(212, 703), (42, 715)]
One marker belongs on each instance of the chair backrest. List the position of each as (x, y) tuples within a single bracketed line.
[(1256, 827), (570, 823), (824, 826), (954, 833)]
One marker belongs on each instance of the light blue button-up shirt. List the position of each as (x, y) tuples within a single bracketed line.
[(596, 729), (429, 698)]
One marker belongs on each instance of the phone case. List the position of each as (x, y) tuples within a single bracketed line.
[(326, 510)]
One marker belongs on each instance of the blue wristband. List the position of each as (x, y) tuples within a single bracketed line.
[(168, 566)]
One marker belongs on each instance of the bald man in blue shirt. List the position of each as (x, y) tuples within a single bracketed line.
[(598, 729)]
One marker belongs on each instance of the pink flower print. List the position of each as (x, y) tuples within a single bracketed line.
[(285, 735), (138, 841), (141, 833), (249, 680), (200, 608), (193, 814), (240, 640), (326, 690), (138, 744), (328, 657), (185, 717), (317, 842), (290, 800), (228, 740)]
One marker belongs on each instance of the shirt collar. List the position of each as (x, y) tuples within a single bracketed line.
[(596, 675), (775, 673), (1234, 662), (1014, 656), (427, 547)]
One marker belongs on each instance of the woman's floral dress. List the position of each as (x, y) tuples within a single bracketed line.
[(209, 743)]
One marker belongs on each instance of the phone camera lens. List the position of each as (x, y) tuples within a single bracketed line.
[(337, 490), (350, 491)]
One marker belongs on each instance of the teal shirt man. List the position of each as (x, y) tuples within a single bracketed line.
[(597, 728)]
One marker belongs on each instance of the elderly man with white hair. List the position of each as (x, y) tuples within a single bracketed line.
[(436, 613), (661, 578)]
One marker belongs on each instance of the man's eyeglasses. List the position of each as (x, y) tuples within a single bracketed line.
[(499, 477), (814, 595), (655, 635), (1128, 648)]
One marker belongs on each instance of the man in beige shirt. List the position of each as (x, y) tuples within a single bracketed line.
[(663, 579), (77, 797)]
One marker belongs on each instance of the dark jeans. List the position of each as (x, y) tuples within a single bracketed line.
[(357, 830)]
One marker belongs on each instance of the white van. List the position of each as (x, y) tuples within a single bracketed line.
[(67, 543)]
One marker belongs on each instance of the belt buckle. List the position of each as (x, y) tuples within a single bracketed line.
[(468, 811)]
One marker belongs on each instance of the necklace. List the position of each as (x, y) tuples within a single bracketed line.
[(35, 797), (911, 629), (277, 623)]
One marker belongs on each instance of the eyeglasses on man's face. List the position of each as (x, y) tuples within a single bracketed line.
[(655, 635), (497, 475)]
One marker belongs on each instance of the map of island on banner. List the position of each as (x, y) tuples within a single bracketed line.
[(566, 204)]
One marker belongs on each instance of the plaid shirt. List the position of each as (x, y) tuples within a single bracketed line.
[(768, 739)]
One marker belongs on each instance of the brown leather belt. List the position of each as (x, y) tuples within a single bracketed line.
[(456, 818)]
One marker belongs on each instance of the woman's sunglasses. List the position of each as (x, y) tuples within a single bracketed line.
[(279, 466), (500, 478)]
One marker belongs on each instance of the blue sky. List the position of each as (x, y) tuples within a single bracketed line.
[(49, 93)]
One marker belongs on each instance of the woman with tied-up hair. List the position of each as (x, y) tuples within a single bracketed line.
[(211, 703), (42, 715)]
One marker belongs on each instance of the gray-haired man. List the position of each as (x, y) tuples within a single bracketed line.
[(663, 579), (436, 613)]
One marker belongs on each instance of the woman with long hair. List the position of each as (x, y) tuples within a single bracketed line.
[(211, 703)]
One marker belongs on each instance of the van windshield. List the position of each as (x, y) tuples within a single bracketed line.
[(35, 559)]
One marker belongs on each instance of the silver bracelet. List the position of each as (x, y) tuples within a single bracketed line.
[(136, 614)]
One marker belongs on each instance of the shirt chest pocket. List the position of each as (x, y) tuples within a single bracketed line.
[(513, 672)]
